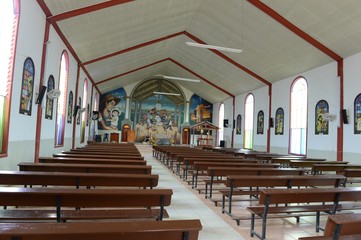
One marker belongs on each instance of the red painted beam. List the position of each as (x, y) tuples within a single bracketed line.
[(243, 68), (133, 48), (85, 10), (290, 26)]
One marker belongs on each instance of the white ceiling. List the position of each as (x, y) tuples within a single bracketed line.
[(131, 41)]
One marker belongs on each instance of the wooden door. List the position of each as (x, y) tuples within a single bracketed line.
[(125, 129), (186, 136)]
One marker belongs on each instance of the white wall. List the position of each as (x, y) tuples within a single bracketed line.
[(22, 128)]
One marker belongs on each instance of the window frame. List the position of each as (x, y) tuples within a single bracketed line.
[(295, 81), (246, 119), (7, 98)]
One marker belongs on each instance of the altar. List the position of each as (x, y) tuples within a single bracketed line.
[(204, 133)]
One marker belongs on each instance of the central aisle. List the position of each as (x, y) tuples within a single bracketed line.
[(186, 205)]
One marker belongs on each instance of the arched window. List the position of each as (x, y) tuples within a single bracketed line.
[(84, 111), (220, 121), (298, 117), (61, 106), (248, 122), (9, 19)]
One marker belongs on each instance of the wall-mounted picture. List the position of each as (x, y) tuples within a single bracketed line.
[(200, 110), (88, 114), (260, 122), (239, 125), (111, 110), (78, 114), (70, 107), (321, 125), (280, 116), (357, 114), (27, 86), (49, 102)]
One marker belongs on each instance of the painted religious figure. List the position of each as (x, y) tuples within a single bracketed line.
[(239, 125), (260, 122), (280, 115), (321, 125), (357, 115), (49, 102), (27, 86), (70, 107)]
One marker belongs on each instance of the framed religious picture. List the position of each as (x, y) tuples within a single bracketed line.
[(279, 125), (260, 122), (49, 102), (70, 107), (239, 125), (87, 114), (321, 125), (357, 115), (78, 115), (27, 86)]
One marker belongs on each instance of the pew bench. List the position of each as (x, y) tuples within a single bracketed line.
[(144, 230), (91, 161), (99, 156), (340, 225), (77, 180), (85, 168), (301, 201), (222, 172), (102, 199), (235, 182)]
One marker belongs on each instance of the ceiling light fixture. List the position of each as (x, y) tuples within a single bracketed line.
[(167, 93), (181, 79), (193, 44)]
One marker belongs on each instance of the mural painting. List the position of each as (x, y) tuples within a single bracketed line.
[(49, 102), (239, 125), (158, 117), (111, 110), (200, 110), (260, 122)]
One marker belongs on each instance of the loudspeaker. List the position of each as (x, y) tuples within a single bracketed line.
[(95, 115), (41, 95), (271, 123), (234, 124), (76, 109), (344, 116), (225, 123)]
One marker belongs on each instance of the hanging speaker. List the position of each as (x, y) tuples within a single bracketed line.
[(41, 95), (225, 123), (344, 116), (95, 115), (271, 123)]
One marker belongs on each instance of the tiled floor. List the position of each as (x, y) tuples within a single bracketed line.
[(187, 203)]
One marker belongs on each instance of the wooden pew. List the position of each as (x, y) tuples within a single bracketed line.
[(235, 182), (105, 153), (99, 156), (310, 163), (102, 199), (199, 166), (285, 160), (340, 225), (159, 230), (338, 168), (91, 161), (85, 168), (213, 172), (77, 180), (354, 174), (270, 200), (343, 237)]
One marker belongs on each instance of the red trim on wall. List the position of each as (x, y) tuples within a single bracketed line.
[(41, 83), (340, 129), (290, 26)]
